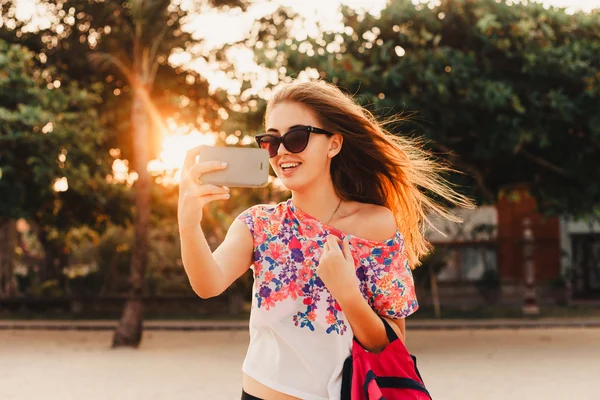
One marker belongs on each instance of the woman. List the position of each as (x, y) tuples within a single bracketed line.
[(334, 256)]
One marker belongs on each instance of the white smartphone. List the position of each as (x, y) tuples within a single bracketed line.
[(246, 166)]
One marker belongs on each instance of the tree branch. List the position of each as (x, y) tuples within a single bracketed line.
[(544, 163), (475, 172)]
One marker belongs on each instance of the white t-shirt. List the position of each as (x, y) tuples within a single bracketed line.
[(299, 336)]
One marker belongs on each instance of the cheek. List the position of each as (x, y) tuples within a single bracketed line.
[(315, 165), (316, 151)]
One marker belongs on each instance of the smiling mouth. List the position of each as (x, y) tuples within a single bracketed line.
[(289, 166)]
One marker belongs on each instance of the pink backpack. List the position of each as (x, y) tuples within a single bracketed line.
[(389, 375)]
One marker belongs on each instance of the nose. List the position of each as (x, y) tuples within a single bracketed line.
[(281, 150)]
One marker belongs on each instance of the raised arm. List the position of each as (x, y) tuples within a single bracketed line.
[(209, 273)]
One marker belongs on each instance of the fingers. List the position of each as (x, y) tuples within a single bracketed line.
[(197, 170), (333, 243), (214, 197), (190, 157), (189, 162), (204, 199), (346, 249), (207, 190)]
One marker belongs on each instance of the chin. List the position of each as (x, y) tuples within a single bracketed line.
[(294, 183)]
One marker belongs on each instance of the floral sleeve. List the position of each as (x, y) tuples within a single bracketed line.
[(390, 287), (248, 217)]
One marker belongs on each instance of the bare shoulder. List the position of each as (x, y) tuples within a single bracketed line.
[(376, 222)]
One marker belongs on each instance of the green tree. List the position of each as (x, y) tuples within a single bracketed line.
[(509, 93), (53, 159), (130, 43)]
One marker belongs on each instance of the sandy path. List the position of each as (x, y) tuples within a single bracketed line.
[(490, 365)]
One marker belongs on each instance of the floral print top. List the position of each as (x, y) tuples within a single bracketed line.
[(295, 323)]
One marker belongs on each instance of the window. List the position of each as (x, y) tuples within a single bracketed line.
[(586, 263), (467, 263)]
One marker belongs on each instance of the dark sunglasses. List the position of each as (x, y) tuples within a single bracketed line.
[(295, 140)]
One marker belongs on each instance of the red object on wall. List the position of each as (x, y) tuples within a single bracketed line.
[(513, 208)]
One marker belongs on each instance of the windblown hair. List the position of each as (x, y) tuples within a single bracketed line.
[(377, 167)]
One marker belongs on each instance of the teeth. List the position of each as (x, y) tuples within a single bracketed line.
[(289, 165)]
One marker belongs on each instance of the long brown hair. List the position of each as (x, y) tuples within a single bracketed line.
[(375, 166)]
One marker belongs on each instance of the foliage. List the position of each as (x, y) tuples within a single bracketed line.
[(490, 286), (558, 282), (50, 137), (489, 280), (48, 133), (81, 28), (509, 93)]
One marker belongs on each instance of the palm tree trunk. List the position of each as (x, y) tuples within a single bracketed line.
[(129, 331), (8, 241)]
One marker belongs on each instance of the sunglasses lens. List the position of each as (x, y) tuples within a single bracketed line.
[(270, 144), (296, 140)]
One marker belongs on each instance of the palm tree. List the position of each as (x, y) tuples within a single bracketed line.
[(155, 27), (146, 16)]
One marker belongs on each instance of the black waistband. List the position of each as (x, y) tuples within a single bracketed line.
[(246, 396)]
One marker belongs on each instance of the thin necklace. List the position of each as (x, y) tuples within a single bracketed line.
[(332, 215)]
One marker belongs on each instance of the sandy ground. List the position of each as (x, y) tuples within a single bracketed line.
[(481, 364)]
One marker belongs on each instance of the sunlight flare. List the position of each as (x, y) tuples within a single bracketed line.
[(61, 184)]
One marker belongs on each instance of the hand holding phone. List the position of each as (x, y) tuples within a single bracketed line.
[(246, 167), (195, 194), (208, 171)]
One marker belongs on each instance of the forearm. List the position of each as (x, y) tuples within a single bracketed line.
[(366, 324), (202, 270)]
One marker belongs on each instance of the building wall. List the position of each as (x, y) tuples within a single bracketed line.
[(478, 225), (468, 247)]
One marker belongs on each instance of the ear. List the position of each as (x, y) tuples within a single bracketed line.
[(335, 145)]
